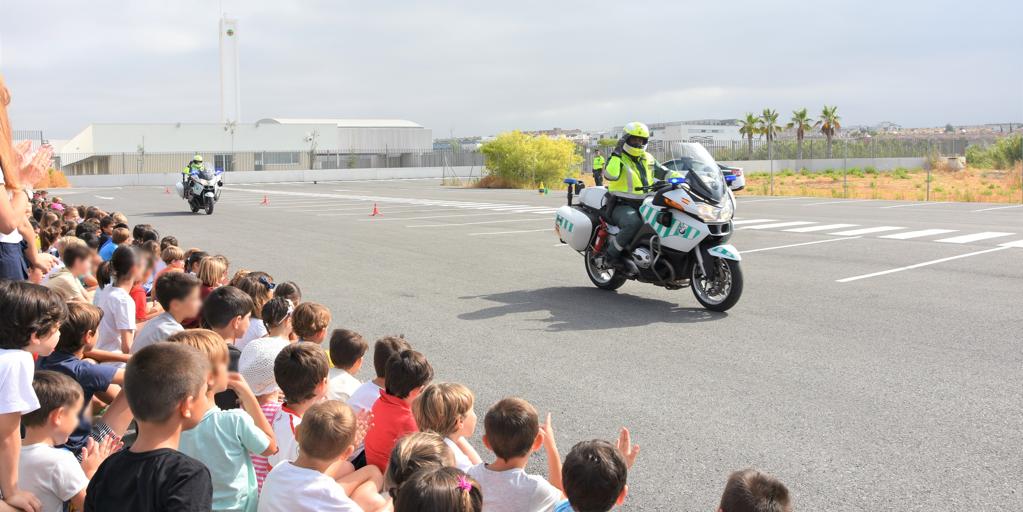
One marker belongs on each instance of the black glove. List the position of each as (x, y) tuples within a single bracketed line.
[(618, 148)]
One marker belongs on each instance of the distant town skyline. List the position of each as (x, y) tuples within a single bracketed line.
[(468, 69)]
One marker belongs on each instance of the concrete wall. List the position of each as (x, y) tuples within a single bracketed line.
[(233, 178), (820, 164)]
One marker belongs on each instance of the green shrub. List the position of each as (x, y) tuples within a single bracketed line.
[(870, 169), (900, 174), (525, 160), (1003, 154)]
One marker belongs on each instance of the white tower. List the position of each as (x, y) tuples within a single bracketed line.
[(230, 102)]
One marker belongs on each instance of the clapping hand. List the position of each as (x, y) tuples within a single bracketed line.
[(93, 454), (363, 422), (31, 168)]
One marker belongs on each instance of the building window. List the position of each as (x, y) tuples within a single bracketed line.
[(224, 163), (280, 158)]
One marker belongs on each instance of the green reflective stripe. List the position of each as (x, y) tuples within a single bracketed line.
[(564, 223)]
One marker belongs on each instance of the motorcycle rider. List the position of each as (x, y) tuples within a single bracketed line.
[(193, 167), (628, 170), (598, 169)]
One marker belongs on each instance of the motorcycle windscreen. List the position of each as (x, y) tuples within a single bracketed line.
[(704, 176)]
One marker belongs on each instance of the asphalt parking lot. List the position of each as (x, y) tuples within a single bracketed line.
[(873, 363)]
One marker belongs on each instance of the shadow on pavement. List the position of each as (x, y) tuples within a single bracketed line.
[(183, 213), (585, 308)]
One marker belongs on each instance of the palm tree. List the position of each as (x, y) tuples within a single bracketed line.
[(749, 127), (802, 123), (769, 125), (829, 123)]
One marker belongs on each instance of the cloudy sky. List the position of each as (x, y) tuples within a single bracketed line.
[(473, 68)]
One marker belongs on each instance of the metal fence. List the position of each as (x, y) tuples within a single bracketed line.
[(845, 147), (78, 164)]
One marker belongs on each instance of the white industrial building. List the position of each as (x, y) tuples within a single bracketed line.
[(709, 132), (269, 144)]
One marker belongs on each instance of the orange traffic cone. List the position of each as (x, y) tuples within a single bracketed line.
[(166, 190), (266, 200), (376, 211)]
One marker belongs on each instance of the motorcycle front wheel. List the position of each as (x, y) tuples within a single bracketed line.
[(193, 205), (603, 277), (209, 206), (722, 293)]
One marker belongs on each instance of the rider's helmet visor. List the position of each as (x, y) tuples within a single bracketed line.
[(636, 141)]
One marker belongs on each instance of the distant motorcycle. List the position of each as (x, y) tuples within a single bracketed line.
[(683, 241), (202, 189)]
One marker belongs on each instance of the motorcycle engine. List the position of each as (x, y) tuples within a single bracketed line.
[(641, 257)]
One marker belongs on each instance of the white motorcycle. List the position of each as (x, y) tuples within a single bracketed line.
[(203, 189), (686, 224)]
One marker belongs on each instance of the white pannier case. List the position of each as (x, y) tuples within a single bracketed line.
[(573, 227)]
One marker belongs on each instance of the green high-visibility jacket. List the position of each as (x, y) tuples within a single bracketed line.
[(626, 174), (598, 163)]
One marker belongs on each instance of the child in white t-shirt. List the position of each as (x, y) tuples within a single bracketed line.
[(52, 474), (31, 321), (347, 350), (117, 328), (367, 394), (326, 437), (447, 409), (259, 287)]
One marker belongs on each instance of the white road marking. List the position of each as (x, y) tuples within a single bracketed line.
[(779, 225), (747, 201), (825, 227), (918, 265), (914, 204), (475, 223), (365, 207), (750, 221), (104, 198), (975, 237), (1017, 243), (917, 234), (864, 231), (382, 219), (843, 201), (366, 213), (511, 232), (797, 245), (999, 208)]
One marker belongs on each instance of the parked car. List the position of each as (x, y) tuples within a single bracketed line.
[(733, 176)]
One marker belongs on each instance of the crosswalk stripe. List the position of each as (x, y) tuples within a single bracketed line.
[(1017, 243), (917, 234), (866, 231), (975, 237), (820, 228), (779, 225), (749, 221)]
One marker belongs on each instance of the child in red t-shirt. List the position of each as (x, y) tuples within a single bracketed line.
[(408, 372)]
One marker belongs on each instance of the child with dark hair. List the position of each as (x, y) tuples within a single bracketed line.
[(278, 316), (139, 292), (259, 286), (447, 489), (289, 290), (408, 372), (117, 329), (51, 474), (369, 392), (77, 336), (595, 474), (192, 259), (178, 295), (512, 431), (168, 241), (347, 350), (750, 490), (118, 238), (311, 321), (326, 436), (226, 311), (301, 373), (31, 315), (165, 385), (67, 281)]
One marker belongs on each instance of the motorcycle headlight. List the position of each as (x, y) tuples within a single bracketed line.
[(710, 213)]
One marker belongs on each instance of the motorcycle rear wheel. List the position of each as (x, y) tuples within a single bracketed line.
[(604, 278), (722, 293)]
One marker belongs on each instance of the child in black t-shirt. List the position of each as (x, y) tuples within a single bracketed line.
[(165, 384)]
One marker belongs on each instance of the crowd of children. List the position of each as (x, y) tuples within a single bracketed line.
[(138, 375)]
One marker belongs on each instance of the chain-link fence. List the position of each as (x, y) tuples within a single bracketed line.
[(844, 147), (78, 164)]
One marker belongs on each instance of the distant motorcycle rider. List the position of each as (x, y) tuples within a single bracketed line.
[(193, 167), (629, 169)]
